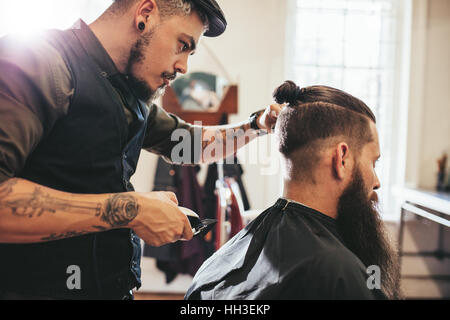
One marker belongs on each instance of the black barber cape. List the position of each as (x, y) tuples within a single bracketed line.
[(289, 251)]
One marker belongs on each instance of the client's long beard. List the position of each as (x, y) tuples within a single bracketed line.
[(363, 232)]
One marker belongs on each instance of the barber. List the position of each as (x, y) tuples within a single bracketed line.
[(75, 111)]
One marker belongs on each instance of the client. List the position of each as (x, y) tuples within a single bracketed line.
[(324, 239)]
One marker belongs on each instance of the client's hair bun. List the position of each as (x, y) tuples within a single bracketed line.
[(288, 92)]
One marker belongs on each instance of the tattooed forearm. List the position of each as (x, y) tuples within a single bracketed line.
[(223, 141), (37, 203), (119, 210), (37, 213)]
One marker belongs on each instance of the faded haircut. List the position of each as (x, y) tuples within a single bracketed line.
[(166, 8), (316, 118)]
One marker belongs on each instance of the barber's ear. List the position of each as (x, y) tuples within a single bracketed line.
[(341, 161), (145, 10)]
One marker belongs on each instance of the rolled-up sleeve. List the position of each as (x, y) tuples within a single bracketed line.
[(20, 132), (35, 90), (172, 138)]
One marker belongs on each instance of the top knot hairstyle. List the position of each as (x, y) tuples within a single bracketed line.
[(288, 92), (315, 114), (295, 96)]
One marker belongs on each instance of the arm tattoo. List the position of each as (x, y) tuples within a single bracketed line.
[(119, 210), (39, 202), (7, 187), (228, 135)]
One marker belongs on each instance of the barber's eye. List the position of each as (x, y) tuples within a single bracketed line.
[(184, 46)]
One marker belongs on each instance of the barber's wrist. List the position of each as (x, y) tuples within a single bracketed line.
[(254, 117)]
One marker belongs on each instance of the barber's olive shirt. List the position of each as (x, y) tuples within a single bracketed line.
[(36, 88)]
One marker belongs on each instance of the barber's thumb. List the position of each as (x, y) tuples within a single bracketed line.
[(172, 197), (187, 231)]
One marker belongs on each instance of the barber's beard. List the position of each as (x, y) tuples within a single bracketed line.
[(140, 87), (363, 232)]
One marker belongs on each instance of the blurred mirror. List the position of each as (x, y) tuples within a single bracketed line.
[(199, 91)]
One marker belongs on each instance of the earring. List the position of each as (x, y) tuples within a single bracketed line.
[(141, 26)]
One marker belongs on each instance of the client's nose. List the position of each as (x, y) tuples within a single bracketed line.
[(377, 183)]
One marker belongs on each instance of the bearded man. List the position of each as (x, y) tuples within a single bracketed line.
[(324, 237)]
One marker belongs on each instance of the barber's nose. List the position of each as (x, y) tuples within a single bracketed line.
[(181, 66)]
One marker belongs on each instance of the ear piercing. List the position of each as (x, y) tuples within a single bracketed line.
[(141, 26)]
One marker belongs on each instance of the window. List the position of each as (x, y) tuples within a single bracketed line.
[(356, 46)]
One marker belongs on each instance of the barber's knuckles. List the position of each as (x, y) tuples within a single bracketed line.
[(160, 220)]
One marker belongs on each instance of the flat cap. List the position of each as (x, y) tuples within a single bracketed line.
[(216, 17)]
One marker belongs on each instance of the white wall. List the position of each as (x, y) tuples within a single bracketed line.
[(253, 51), (429, 112)]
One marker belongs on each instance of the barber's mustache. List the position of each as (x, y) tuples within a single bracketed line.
[(169, 76)]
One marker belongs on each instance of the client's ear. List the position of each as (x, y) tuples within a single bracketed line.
[(342, 161)]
